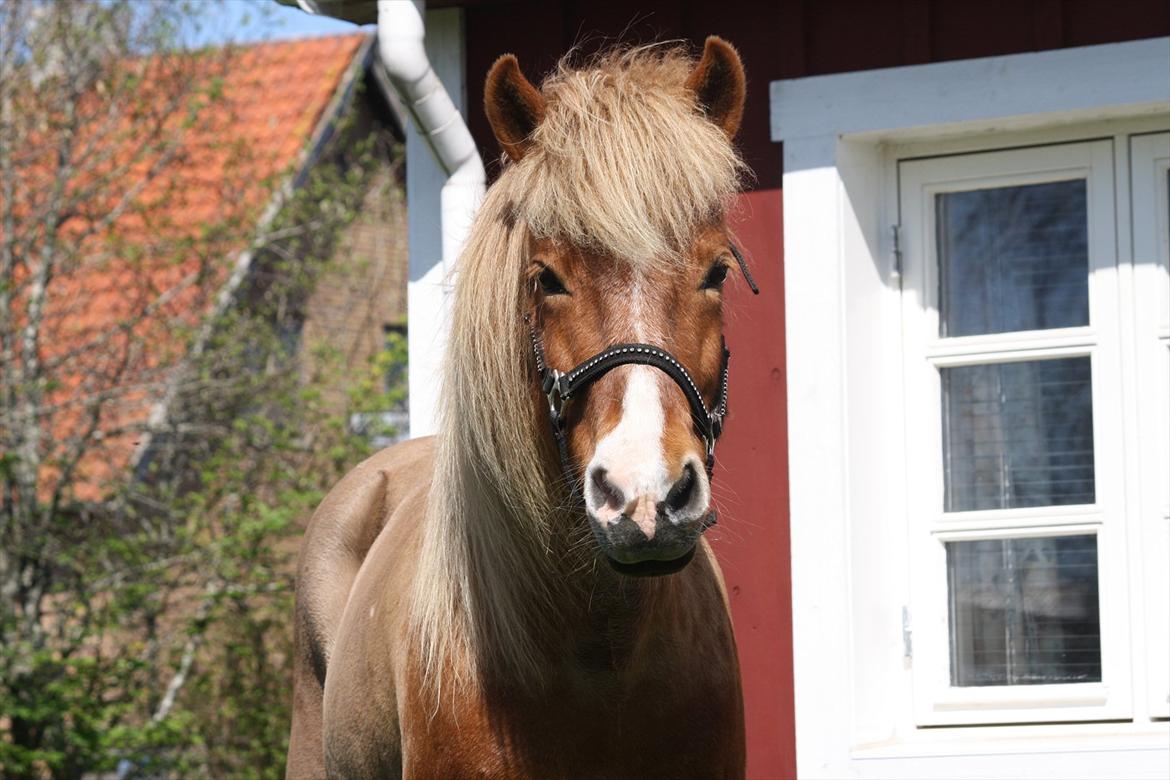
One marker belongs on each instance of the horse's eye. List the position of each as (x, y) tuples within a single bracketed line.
[(550, 283), (715, 277)]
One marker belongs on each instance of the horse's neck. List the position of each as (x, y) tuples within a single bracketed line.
[(555, 595), (594, 604)]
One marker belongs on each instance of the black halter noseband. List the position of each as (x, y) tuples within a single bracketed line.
[(560, 387)]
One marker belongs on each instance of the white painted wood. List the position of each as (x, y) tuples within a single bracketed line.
[(1109, 763), (1052, 338), (1150, 172), (1009, 92), (1007, 350), (1129, 421), (820, 586), (847, 467), (1058, 751), (980, 522)]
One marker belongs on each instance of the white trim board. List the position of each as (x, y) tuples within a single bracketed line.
[(1010, 92), (842, 135)]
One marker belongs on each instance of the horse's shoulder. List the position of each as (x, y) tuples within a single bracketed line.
[(342, 531), (407, 454), (363, 740), (357, 507)]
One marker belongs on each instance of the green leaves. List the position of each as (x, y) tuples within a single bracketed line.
[(147, 627)]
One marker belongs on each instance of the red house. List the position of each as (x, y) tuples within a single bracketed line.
[(947, 473)]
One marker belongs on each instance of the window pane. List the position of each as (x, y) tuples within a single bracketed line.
[(1024, 611), (1018, 434), (1013, 258)]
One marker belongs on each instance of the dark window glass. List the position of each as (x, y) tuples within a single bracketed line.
[(1018, 434), (1013, 258), (1024, 611)]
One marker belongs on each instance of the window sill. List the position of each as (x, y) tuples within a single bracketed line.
[(1091, 750)]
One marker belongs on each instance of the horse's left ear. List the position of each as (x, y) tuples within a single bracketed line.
[(514, 107), (719, 84)]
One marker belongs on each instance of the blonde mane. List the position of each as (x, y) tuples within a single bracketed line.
[(624, 163)]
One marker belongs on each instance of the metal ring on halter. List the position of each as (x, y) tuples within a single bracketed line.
[(553, 392)]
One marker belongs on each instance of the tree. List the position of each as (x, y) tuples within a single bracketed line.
[(161, 431)]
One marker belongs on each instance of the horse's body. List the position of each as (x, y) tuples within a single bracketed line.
[(646, 687), (455, 619)]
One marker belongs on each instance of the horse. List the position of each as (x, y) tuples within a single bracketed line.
[(529, 593)]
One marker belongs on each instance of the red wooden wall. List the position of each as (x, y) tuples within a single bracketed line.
[(778, 40)]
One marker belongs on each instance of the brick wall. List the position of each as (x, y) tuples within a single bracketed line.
[(362, 289)]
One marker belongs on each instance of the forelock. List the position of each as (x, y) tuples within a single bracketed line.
[(624, 162)]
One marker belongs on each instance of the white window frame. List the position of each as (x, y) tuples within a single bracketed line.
[(849, 490), (936, 702), (1150, 171)]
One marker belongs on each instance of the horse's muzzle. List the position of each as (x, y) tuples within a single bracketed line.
[(652, 568), (629, 551)]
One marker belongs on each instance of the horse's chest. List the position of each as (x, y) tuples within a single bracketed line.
[(588, 725)]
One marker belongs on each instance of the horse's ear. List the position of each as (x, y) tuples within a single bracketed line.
[(514, 107), (719, 84)]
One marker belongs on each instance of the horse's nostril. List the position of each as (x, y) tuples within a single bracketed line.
[(609, 494), (681, 493)]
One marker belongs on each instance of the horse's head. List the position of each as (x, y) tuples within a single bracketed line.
[(633, 441)]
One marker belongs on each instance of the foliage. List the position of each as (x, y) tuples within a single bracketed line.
[(144, 622)]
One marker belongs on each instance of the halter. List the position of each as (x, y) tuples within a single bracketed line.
[(560, 388)]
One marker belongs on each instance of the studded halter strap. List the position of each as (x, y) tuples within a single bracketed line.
[(560, 387)]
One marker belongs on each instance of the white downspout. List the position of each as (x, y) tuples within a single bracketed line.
[(401, 34)]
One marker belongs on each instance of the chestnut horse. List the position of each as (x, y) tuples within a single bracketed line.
[(464, 603)]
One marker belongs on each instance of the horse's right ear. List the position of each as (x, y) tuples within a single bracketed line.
[(514, 107)]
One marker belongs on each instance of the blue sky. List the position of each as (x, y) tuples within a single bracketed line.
[(247, 21)]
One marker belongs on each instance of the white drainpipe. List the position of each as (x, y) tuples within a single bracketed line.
[(400, 43)]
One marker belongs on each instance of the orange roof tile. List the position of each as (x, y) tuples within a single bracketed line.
[(273, 97)]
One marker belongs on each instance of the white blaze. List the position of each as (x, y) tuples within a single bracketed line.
[(631, 453)]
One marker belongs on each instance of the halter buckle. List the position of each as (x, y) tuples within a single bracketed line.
[(716, 427), (556, 402)]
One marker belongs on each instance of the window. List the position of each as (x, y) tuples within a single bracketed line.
[(394, 379), (1020, 516), (390, 422), (930, 594)]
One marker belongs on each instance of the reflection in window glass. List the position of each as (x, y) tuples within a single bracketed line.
[(1018, 434), (1024, 611), (1013, 258)]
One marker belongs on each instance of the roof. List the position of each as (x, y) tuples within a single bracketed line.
[(275, 104)]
